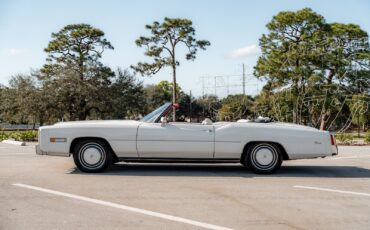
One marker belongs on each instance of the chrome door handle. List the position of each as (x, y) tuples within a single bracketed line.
[(207, 130)]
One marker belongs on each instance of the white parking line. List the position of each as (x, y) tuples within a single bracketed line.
[(349, 157), (127, 208), (333, 190)]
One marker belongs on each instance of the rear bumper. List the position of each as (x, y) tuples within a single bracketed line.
[(334, 150)]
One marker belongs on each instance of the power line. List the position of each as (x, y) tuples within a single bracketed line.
[(231, 82)]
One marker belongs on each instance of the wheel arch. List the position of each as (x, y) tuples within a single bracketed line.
[(280, 146), (78, 139)]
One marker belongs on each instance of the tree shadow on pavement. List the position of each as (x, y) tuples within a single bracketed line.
[(229, 170)]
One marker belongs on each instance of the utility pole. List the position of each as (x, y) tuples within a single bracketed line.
[(243, 79), (190, 109)]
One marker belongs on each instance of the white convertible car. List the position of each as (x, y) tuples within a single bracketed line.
[(260, 145)]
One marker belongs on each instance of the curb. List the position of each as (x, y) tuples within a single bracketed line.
[(13, 142)]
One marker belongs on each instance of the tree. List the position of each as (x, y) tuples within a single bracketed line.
[(311, 66), (208, 107), (235, 107), (126, 98), (268, 104), (22, 100), (2, 95), (359, 107), (343, 55), (8, 107), (74, 69), (285, 50), (161, 46), (188, 107), (156, 95)]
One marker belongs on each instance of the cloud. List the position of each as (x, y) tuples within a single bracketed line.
[(246, 51), (16, 51)]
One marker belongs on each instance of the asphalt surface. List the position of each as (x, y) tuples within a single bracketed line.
[(44, 192)]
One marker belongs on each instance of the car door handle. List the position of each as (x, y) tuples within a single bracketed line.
[(207, 130)]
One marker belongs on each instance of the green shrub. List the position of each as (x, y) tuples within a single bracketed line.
[(367, 137), (3, 136), (29, 135), (344, 137)]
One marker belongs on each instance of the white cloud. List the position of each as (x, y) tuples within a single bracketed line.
[(16, 51), (246, 51)]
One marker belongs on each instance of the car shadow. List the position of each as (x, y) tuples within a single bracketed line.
[(228, 170)]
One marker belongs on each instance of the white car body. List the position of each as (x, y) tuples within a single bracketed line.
[(220, 141)]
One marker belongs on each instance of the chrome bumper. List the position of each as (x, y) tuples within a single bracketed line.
[(334, 149), (39, 151)]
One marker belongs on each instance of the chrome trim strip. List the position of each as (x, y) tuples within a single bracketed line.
[(175, 140), (121, 140), (179, 160), (194, 141)]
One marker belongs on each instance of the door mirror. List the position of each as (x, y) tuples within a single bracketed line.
[(164, 120)]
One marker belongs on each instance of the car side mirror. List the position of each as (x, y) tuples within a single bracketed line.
[(164, 121)]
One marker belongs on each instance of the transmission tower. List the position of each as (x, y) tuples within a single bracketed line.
[(224, 85)]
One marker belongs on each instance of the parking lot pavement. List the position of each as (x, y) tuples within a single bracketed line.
[(44, 192)]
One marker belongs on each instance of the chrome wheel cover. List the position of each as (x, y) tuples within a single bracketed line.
[(92, 156), (264, 156)]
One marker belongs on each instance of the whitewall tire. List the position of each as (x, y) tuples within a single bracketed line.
[(92, 155), (263, 158)]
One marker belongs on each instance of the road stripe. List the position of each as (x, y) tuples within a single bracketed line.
[(349, 157), (333, 190), (126, 208)]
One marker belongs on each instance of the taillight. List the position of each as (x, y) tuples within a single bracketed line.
[(332, 140)]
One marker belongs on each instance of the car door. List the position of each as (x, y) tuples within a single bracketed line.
[(175, 140)]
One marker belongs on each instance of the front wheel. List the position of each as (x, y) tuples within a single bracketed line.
[(92, 156), (263, 158)]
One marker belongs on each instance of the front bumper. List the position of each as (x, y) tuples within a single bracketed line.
[(39, 151), (59, 154)]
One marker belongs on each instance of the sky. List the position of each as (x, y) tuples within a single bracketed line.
[(233, 27)]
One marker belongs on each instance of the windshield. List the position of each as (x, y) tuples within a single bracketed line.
[(155, 115)]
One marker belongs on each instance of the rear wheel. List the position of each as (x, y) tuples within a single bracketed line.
[(263, 158), (92, 155)]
